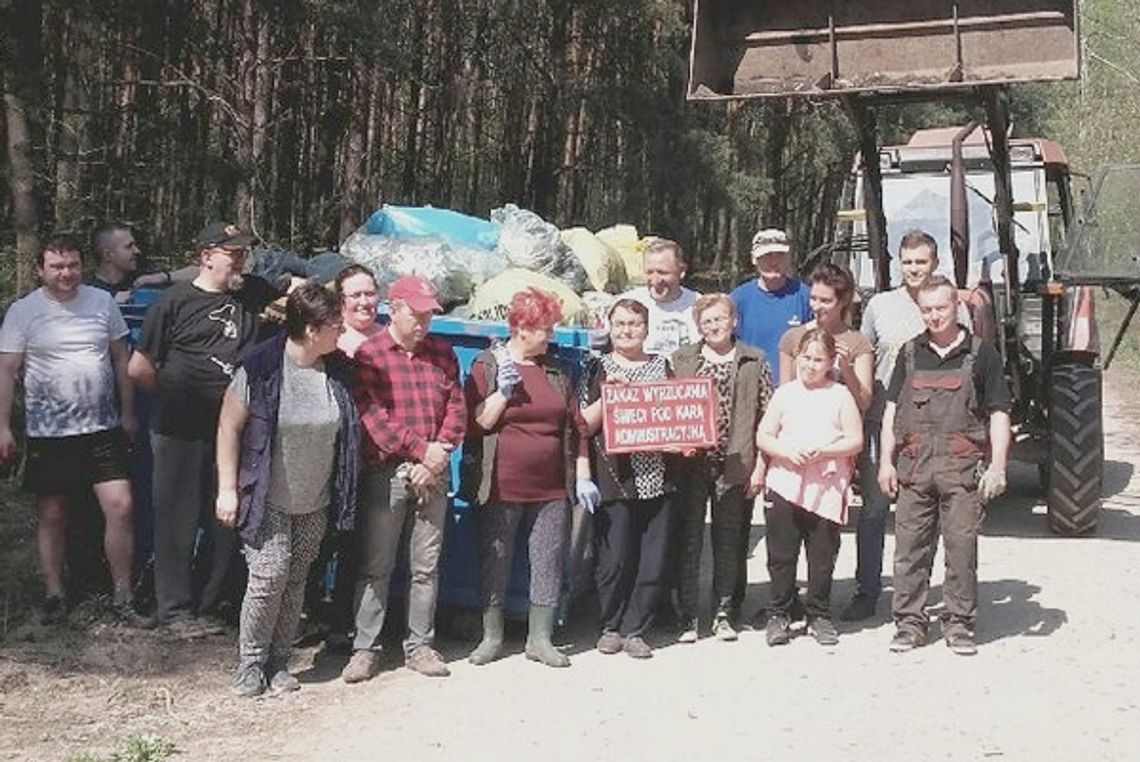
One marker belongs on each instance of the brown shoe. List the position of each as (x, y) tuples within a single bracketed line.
[(636, 647), (610, 642), (427, 661), (363, 665)]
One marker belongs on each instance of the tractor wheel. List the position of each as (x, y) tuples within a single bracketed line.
[(1076, 448)]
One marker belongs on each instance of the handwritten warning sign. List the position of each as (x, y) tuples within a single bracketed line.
[(659, 415)]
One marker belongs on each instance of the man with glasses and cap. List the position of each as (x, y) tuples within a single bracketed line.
[(192, 340), (774, 301)]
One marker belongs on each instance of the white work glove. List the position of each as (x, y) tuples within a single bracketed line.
[(508, 377), (992, 483), (587, 494)]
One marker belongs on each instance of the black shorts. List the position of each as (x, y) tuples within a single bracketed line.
[(57, 465)]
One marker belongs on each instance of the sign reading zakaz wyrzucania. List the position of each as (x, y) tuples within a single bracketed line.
[(659, 415)]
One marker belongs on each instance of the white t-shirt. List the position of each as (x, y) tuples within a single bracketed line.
[(671, 324), (890, 320), (69, 384)]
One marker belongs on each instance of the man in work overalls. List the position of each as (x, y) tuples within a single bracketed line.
[(947, 404)]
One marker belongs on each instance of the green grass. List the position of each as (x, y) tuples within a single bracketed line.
[(134, 749), (19, 580)]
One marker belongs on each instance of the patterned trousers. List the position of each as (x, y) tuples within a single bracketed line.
[(279, 561), (545, 527)]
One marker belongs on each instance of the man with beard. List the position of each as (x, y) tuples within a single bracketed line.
[(192, 339)]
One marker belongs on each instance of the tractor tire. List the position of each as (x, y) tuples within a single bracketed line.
[(1076, 448)]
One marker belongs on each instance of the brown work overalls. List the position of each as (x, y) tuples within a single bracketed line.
[(942, 437)]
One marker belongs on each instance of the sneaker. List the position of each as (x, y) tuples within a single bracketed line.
[(722, 628), (861, 607), (689, 632), (961, 642), (427, 661), (249, 681), (778, 631), (192, 628), (823, 631), (905, 640), (610, 642), (637, 648), (363, 665), (54, 611), (283, 681)]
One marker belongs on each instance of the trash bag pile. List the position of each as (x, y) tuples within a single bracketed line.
[(477, 265)]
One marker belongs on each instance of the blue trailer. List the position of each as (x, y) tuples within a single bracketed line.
[(459, 565)]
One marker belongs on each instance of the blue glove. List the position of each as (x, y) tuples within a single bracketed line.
[(508, 377), (587, 494)]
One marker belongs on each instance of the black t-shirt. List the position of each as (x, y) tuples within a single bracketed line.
[(126, 283), (989, 378), (196, 339)]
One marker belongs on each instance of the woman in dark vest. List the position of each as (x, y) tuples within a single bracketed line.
[(288, 444), (524, 459)]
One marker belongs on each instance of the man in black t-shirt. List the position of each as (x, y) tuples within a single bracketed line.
[(192, 339)]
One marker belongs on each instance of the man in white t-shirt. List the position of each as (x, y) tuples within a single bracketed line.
[(669, 303), (79, 413), (890, 320)]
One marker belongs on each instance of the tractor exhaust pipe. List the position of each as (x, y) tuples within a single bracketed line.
[(959, 208)]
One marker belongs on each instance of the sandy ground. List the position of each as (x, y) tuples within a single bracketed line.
[(1055, 677)]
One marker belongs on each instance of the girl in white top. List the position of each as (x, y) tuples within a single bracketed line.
[(810, 431)]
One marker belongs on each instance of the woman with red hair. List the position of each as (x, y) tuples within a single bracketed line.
[(524, 459)]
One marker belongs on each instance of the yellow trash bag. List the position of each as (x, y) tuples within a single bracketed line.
[(492, 299), (602, 264), (624, 240)]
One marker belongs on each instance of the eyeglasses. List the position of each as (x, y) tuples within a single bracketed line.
[(621, 325), (713, 321)]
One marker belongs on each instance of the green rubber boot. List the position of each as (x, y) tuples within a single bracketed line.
[(540, 626), (492, 643)]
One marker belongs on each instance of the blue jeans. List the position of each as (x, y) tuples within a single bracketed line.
[(872, 525)]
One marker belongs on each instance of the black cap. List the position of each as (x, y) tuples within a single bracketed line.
[(223, 234)]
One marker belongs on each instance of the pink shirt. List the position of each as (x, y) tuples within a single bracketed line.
[(811, 418)]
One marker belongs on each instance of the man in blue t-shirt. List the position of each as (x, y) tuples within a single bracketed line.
[(774, 302)]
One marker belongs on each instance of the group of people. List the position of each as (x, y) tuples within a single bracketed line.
[(335, 434)]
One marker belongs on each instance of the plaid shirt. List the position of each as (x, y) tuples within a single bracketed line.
[(407, 401)]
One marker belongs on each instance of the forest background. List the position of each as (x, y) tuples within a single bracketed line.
[(298, 118)]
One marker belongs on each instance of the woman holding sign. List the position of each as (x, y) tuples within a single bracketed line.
[(730, 475), (631, 525), (525, 454), (811, 431)]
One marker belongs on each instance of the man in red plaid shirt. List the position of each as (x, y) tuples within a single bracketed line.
[(413, 415)]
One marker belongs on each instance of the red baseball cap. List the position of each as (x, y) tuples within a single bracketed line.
[(416, 292)]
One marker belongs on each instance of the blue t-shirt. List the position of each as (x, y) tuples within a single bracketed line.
[(766, 315)]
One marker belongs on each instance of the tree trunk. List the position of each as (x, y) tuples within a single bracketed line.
[(21, 78), (73, 128)]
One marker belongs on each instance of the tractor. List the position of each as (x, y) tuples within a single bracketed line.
[(1027, 255)]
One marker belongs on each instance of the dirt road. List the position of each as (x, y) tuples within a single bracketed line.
[(1055, 678)]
